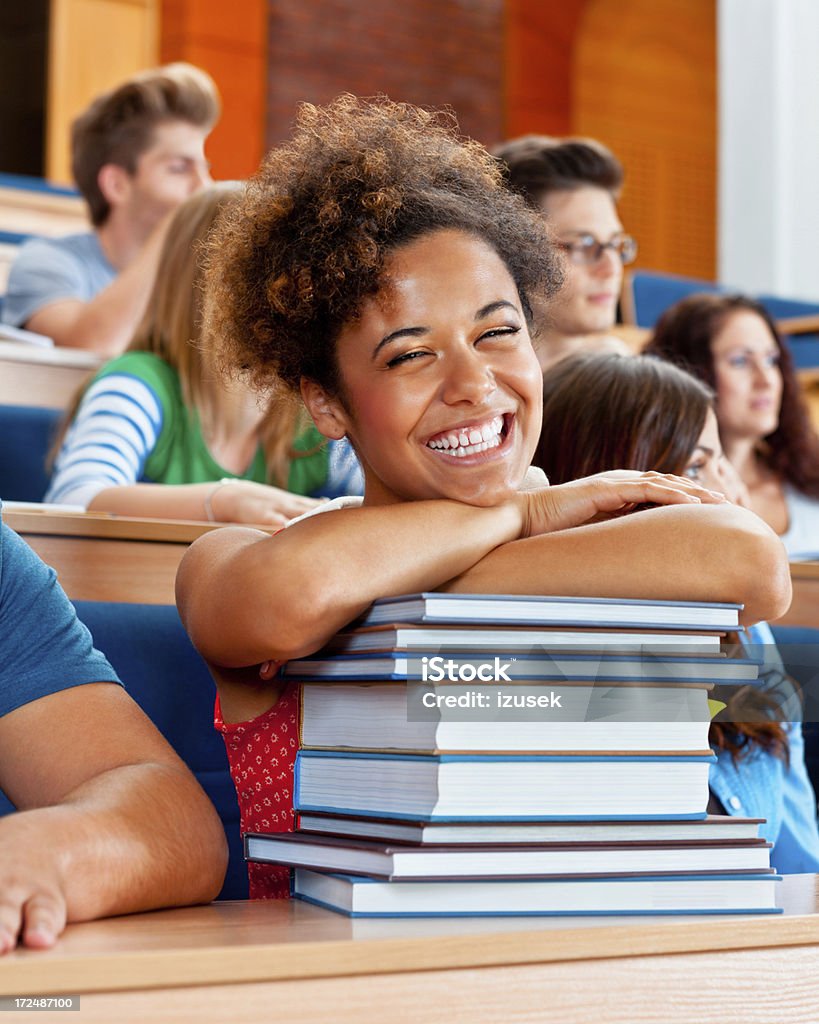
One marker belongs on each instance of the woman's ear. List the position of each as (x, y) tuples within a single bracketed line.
[(327, 412)]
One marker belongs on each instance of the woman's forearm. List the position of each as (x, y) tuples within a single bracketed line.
[(694, 553), (247, 598)]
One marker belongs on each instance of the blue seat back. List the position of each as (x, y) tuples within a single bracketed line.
[(804, 347), (799, 647), (653, 293), (26, 435), (151, 652), (149, 648)]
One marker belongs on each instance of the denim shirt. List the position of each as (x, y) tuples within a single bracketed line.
[(761, 785)]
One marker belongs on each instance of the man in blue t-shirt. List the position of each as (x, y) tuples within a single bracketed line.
[(109, 819), (137, 152)]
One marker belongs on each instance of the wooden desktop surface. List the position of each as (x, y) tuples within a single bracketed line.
[(804, 609), (283, 961), (102, 557), (47, 377)]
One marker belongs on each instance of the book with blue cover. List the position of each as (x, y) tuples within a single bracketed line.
[(435, 666), (502, 787), (522, 609), (534, 719), (488, 637), (361, 896)]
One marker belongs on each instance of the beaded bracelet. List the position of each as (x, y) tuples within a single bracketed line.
[(210, 496)]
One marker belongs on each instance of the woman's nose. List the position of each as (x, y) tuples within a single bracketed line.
[(469, 378)]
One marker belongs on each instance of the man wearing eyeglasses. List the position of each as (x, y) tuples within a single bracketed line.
[(575, 183)]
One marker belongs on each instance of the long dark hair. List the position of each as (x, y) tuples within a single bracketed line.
[(603, 412), (683, 336)]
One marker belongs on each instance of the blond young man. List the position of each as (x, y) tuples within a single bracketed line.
[(137, 153)]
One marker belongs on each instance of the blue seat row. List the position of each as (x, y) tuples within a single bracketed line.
[(151, 652), (652, 292)]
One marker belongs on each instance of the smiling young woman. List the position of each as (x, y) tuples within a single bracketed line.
[(731, 343), (379, 266)]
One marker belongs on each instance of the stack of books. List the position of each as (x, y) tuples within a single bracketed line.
[(474, 754)]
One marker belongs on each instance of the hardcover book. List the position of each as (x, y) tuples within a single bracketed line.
[(359, 896)]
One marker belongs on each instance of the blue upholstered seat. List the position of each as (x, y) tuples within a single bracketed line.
[(26, 435), (153, 656), (652, 292), (799, 647)]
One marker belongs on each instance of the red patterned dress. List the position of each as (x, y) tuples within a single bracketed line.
[(261, 754)]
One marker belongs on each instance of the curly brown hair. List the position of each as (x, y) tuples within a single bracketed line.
[(310, 241)]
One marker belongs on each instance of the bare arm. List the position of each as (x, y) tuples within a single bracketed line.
[(240, 501), (110, 820), (107, 322), (246, 598), (694, 553)]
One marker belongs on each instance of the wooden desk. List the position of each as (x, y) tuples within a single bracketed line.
[(47, 377), (101, 557), (41, 212), (262, 962), (804, 609)]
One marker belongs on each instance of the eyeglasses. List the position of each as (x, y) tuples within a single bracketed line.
[(585, 250)]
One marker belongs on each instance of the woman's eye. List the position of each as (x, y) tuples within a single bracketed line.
[(738, 361), (500, 332), (405, 357), (693, 471)]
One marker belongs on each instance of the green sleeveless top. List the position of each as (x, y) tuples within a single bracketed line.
[(180, 455)]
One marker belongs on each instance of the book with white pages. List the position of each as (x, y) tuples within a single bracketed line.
[(716, 829), (401, 863), (360, 896), (506, 787), (523, 609), (400, 638), (590, 718), (525, 667)]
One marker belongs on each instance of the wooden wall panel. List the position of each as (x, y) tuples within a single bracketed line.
[(538, 66), (645, 83), (93, 44), (228, 40)]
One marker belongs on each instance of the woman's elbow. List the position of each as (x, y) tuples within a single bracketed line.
[(241, 608), (762, 571)]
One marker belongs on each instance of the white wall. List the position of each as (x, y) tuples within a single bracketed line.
[(768, 195)]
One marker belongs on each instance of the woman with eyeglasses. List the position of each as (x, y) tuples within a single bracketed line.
[(731, 343), (575, 184)]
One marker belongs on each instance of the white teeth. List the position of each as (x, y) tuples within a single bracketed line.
[(470, 440)]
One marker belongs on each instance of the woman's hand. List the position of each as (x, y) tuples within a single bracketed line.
[(243, 501), (606, 495), (732, 484)]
